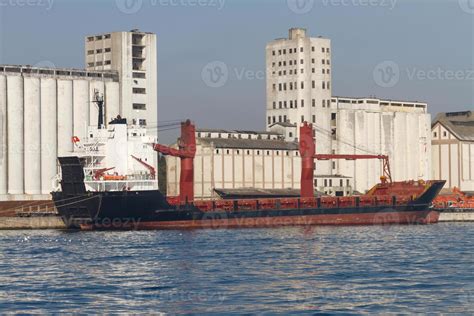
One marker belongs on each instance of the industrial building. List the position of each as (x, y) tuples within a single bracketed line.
[(399, 129), (41, 109), (227, 159), (133, 55), (299, 89), (453, 149), (299, 86)]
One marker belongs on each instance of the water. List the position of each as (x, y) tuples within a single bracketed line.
[(398, 269)]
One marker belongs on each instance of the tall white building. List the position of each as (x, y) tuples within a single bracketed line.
[(133, 55), (299, 89), (299, 85), (41, 109)]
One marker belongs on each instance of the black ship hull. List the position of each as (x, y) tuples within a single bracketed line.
[(150, 209)]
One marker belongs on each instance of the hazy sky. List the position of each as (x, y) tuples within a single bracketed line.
[(398, 49)]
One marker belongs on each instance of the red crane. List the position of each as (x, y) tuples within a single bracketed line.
[(150, 168), (186, 152), (308, 154)]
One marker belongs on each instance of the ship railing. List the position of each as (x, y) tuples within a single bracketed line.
[(297, 203)]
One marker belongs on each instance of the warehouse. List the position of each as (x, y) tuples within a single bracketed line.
[(41, 109)]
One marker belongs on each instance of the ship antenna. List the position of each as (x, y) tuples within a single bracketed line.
[(99, 99)]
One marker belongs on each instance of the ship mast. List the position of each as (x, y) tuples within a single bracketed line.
[(99, 100)]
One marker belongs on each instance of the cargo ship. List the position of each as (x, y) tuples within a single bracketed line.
[(388, 202)]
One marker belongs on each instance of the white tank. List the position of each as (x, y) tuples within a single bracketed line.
[(15, 134), (32, 136), (65, 117), (81, 108), (3, 136), (49, 149)]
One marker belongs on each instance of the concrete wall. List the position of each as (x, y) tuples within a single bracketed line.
[(39, 113)]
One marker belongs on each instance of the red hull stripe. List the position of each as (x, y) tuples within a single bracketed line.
[(415, 217)]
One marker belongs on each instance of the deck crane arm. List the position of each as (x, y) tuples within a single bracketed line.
[(186, 152), (150, 168), (308, 154)]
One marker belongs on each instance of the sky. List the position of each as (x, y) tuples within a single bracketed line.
[(417, 50)]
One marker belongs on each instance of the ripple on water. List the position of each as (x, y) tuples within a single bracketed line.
[(398, 269)]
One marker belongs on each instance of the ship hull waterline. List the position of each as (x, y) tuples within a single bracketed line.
[(221, 222)]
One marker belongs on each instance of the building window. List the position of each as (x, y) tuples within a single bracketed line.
[(106, 36), (139, 90), (328, 71), (327, 62), (325, 182), (98, 37), (291, 135), (90, 52), (314, 84), (324, 62), (324, 103), (302, 118), (279, 118), (99, 51), (107, 62), (302, 70), (302, 85), (273, 53), (445, 134), (312, 48), (313, 70), (99, 63), (269, 120), (138, 75), (324, 70), (333, 165), (217, 151), (341, 183), (291, 104), (314, 118), (274, 119), (435, 134), (301, 61), (90, 39), (301, 49), (139, 106), (328, 85), (274, 105), (284, 52), (324, 85), (302, 103), (313, 103), (322, 49), (312, 60), (330, 182), (284, 104), (280, 104), (142, 122), (327, 50)]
